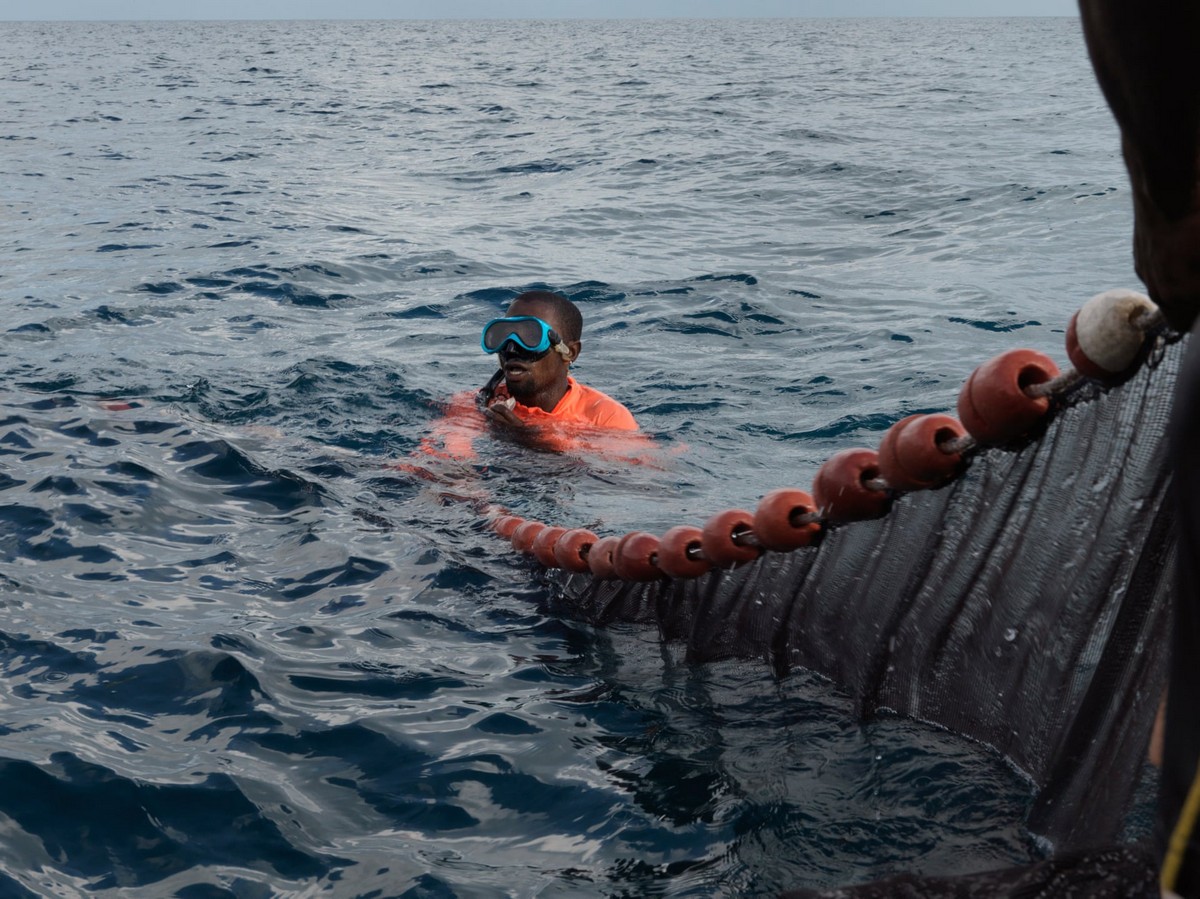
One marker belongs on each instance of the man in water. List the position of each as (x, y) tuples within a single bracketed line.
[(532, 397), (536, 342)]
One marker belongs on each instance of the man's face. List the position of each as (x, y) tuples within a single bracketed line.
[(528, 380)]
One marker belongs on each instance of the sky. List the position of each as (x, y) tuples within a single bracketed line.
[(97, 10)]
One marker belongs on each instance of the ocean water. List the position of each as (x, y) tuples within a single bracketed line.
[(242, 264)]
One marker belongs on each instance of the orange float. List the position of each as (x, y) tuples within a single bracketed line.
[(600, 558), (571, 550), (993, 405), (779, 520), (634, 557), (544, 543), (840, 490), (675, 552), (910, 457), (717, 538), (506, 524), (525, 533)]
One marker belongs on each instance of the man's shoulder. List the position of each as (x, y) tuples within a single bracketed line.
[(601, 409)]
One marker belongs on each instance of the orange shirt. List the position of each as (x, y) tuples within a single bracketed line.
[(581, 410), (581, 405)]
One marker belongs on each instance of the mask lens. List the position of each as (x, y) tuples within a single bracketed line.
[(526, 332), (511, 350)]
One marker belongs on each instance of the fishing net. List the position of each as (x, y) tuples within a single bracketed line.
[(1025, 605), (1113, 873)]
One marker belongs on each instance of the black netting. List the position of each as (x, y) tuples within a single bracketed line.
[(1026, 605), (1113, 873)]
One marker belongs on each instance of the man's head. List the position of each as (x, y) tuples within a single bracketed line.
[(542, 381), (554, 309)]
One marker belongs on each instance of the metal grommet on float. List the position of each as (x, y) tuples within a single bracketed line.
[(634, 557), (994, 405), (910, 455), (719, 538), (786, 519), (840, 488), (680, 552), (571, 549)]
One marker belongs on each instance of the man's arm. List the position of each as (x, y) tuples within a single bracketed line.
[(1146, 54)]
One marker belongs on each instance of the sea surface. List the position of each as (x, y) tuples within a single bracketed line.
[(241, 266)]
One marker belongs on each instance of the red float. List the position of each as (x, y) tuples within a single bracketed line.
[(716, 540), (600, 558), (506, 524), (524, 535), (775, 517), (570, 550), (909, 455), (993, 405), (634, 557), (673, 552), (840, 489), (544, 543)]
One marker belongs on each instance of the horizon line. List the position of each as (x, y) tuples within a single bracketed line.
[(86, 21)]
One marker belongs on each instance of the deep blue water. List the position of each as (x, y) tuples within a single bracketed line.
[(242, 656)]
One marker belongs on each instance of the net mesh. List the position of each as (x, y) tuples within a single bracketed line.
[(1111, 873), (1025, 605)]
